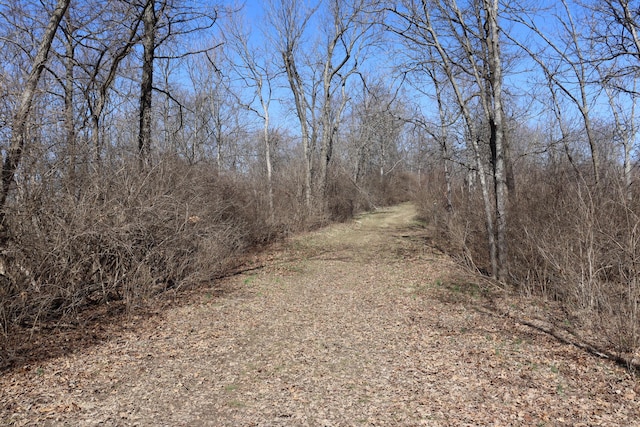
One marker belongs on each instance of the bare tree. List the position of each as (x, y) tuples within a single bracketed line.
[(163, 20), (321, 96), (103, 53), (567, 62), (495, 114), (69, 89), (255, 68), (465, 45), (289, 20), (19, 128), (378, 118), (615, 31), (150, 21), (623, 109), (440, 133), (349, 26)]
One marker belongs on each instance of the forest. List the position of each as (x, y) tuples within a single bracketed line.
[(147, 144)]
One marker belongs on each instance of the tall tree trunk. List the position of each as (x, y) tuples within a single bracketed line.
[(447, 178), (444, 144), (69, 121), (488, 214), (462, 101), (267, 160), (295, 83), (326, 147), (330, 121), (497, 127), (19, 128), (146, 86)]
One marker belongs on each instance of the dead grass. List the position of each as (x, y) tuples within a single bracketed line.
[(355, 324)]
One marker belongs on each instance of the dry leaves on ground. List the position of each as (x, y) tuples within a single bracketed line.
[(355, 324)]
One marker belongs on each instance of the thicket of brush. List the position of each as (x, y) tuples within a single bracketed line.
[(119, 235), (569, 241), (124, 235)]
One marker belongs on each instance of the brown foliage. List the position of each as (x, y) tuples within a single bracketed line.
[(127, 235), (581, 245), (120, 236), (462, 230), (568, 241)]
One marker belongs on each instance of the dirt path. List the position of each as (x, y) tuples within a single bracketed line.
[(358, 324)]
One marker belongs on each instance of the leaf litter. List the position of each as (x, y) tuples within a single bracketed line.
[(357, 324)]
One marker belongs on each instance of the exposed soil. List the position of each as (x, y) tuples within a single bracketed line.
[(358, 324)]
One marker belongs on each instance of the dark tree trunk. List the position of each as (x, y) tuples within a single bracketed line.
[(146, 87)]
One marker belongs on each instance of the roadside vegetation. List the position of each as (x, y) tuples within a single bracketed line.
[(125, 237), (570, 244), (147, 145)]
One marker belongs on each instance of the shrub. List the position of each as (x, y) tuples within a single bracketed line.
[(568, 241), (125, 236)]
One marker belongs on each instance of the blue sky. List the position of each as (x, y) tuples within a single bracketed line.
[(518, 82)]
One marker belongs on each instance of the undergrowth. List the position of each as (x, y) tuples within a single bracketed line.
[(568, 242)]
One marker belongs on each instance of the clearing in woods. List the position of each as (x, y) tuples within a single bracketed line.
[(357, 324)]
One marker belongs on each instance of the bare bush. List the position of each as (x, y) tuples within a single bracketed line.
[(125, 236), (580, 245), (460, 231), (569, 241)]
